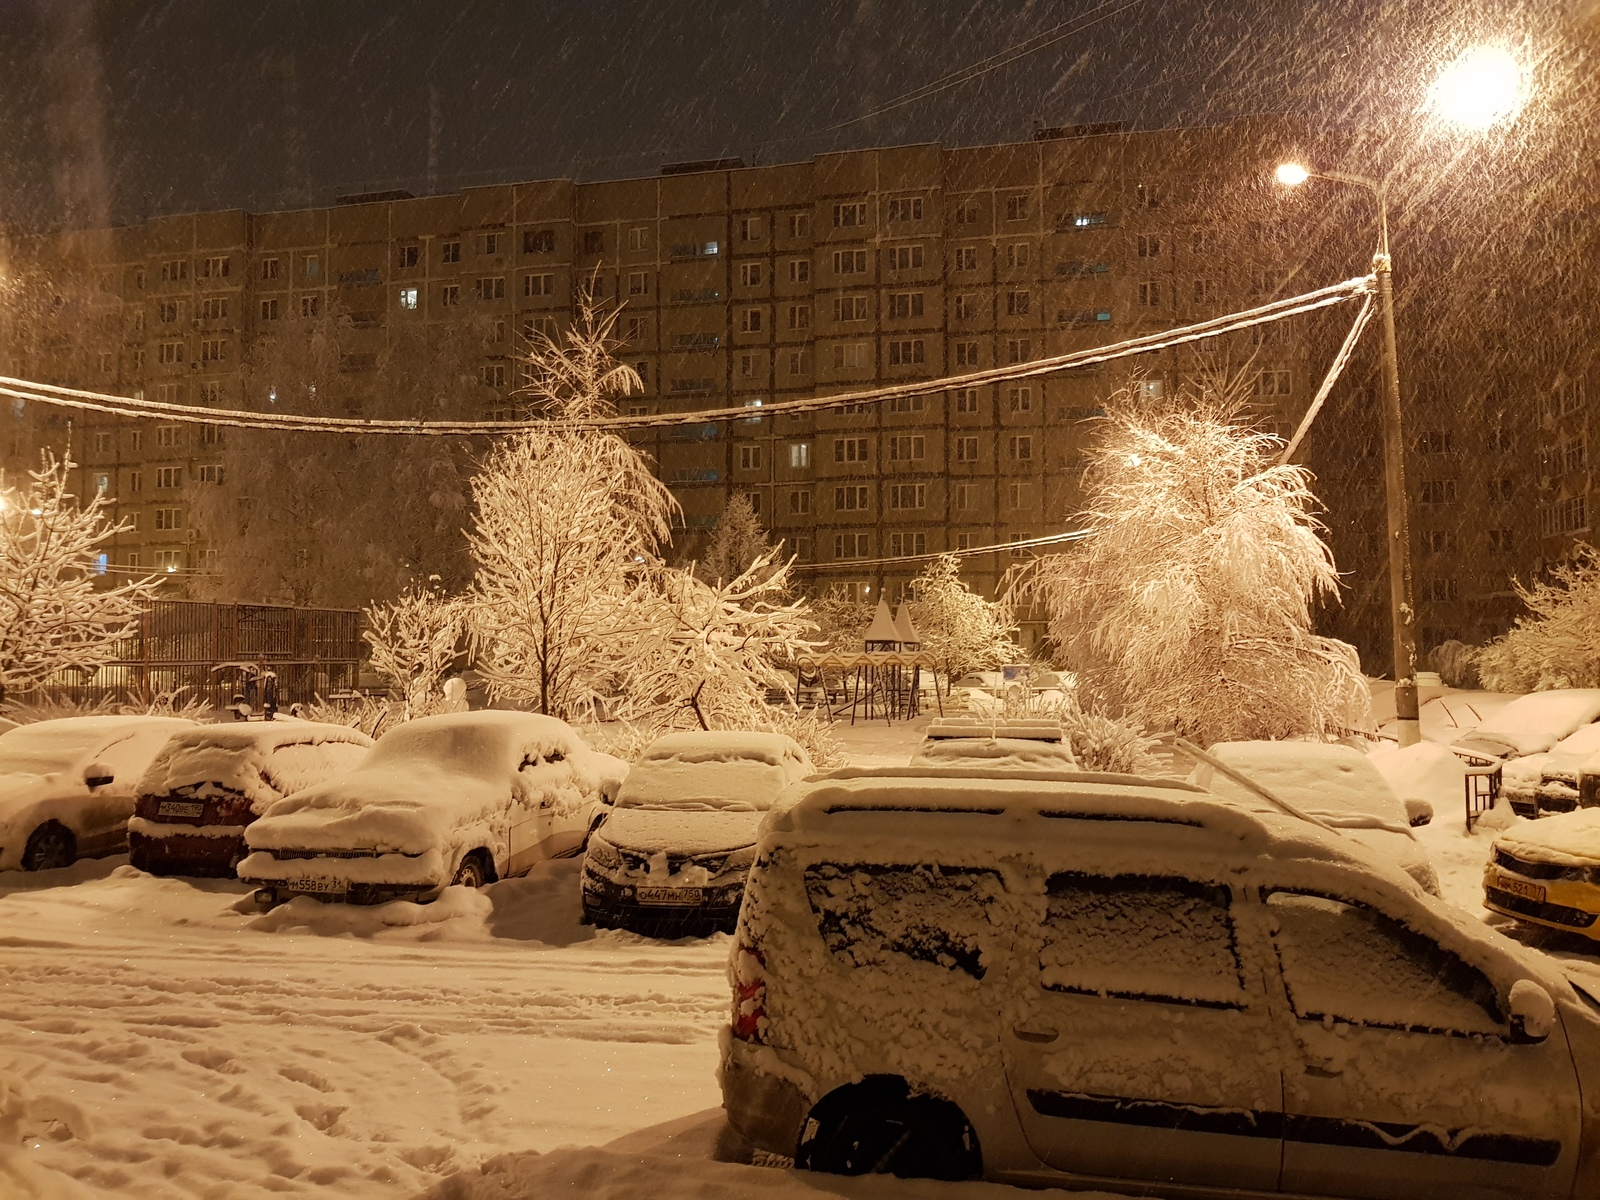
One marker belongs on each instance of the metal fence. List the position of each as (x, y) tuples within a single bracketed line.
[(190, 645)]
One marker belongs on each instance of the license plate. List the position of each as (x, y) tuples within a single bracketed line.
[(1528, 891), (180, 808), (661, 895), (316, 885)]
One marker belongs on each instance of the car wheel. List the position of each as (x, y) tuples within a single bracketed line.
[(877, 1127), (470, 873), (51, 845)]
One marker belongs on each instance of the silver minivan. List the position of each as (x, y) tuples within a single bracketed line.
[(1104, 981)]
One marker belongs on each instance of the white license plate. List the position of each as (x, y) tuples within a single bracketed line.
[(316, 885), (661, 895), (180, 808), (1528, 891)]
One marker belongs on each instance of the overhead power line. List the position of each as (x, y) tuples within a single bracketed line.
[(847, 564), (139, 408)]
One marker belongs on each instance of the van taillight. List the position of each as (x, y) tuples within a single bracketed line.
[(749, 993)]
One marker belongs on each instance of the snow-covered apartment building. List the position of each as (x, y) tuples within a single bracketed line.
[(743, 286)]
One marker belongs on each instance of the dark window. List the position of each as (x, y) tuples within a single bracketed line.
[(539, 241), (594, 242), (869, 916)]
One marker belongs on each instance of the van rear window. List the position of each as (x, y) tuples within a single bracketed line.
[(874, 915)]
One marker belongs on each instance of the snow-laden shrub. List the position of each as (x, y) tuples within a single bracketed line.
[(414, 640), (1556, 644), (1101, 742), (1456, 663), (1189, 601), (960, 630)]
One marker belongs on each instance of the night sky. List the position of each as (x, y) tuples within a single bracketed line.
[(118, 111)]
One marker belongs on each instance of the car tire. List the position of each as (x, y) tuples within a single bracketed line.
[(878, 1127), (50, 846), (471, 872)]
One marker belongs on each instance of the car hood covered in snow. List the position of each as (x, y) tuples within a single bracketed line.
[(650, 830), (429, 777), (240, 758), (1534, 723), (1565, 839), (1001, 754), (721, 769)]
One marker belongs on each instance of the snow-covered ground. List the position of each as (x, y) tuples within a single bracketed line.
[(161, 1038)]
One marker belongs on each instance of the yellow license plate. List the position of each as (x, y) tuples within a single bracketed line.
[(1528, 891)]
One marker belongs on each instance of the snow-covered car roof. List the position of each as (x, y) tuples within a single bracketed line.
[(50, 747), (1570, 839), (429, 776), (1533, 723), (734, 770), (240, 757)]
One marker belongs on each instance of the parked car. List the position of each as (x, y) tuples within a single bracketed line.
[(209, 783), (1336, 784), (1537, 784), (1130, 984), (1548, 872), (999, 744), (673, 853), (463, 798), (67, 786), (1531, 724)]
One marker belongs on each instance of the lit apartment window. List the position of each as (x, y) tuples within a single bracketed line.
[(799, 454), (408, 299)]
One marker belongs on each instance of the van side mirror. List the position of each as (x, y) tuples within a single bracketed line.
[(97, 775), (1533, 1013)]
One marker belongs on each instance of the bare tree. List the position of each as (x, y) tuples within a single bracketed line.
[(960, 630), (53, 617), (1189, 602), (415, 639), (567, 520), (713, 649)]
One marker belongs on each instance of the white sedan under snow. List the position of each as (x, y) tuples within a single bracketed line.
[(462, 798), (67, 786)]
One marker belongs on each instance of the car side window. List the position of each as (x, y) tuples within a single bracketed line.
[(1347, 962), (872, 915), (1141, 937)]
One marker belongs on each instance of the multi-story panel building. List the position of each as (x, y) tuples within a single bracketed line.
[(738, 286)]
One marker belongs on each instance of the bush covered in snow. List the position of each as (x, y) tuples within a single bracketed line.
[(1189, 602), (1101, 742), (961, 631), (1556, 644), (414, 640)]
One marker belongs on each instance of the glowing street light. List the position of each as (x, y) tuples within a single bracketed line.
[(1480, 89), (1292, 174)]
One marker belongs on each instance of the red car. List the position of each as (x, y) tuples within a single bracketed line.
[(209, 783)]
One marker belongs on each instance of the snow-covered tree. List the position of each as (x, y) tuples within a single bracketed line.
[(568, 522), (961, 631), (414, 640), (842, 622), (736, 542), (712, 649), (1556, 644), (1189, 602), (53, 617)]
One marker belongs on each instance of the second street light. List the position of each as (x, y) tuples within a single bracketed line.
[(1481, 88)]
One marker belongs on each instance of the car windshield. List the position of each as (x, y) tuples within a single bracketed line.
[(42, 750), (730, 785), (479, 750)]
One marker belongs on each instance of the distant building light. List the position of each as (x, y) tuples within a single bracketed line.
[(408, 298), (100, 563)]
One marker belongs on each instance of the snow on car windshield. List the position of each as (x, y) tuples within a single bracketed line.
[(49, 746), (1335, 783), (483, 745)]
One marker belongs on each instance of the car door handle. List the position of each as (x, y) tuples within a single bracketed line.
[(1040, 1036)]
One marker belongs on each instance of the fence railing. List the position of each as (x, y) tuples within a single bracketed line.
[(188, 645)]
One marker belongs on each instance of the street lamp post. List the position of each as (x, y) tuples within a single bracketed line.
[(1402, 610), (1483, 87)]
